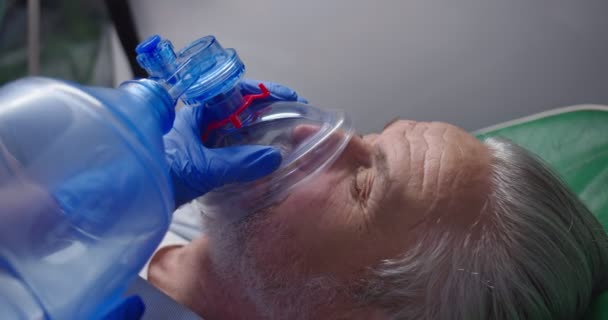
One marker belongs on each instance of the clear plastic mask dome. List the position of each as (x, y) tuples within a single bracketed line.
[(309, 138)]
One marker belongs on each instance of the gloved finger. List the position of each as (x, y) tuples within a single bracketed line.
[(130, 308), (240, 164), (278, 92), (191, 119)]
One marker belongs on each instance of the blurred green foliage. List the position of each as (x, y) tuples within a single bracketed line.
[(71, 39)]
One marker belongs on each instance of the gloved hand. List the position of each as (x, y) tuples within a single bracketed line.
[(195, 170), (131, 308)]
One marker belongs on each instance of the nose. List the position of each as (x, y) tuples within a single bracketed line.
[(358, 151), (370, 139), (302, 132)]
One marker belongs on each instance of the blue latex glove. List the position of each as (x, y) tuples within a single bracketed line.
[(195, 170), (131, 308)]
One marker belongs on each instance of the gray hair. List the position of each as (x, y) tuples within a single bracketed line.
[(534, 252)]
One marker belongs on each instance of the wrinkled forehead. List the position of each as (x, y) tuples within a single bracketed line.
[(432, 145), (433, 133), (436, 161)]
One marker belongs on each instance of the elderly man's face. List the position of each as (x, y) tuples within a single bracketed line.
[(370, 205)]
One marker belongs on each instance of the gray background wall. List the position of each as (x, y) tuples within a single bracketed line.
[(470, 62)]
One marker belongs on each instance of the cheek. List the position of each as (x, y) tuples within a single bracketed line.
[(312, 204), (322, 227)]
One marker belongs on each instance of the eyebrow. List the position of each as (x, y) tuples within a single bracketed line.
[(391, 122), (381, 161)]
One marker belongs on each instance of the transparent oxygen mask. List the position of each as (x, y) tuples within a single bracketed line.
[(309, 138)]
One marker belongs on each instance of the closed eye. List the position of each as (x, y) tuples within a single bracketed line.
[(373, 179), (361, 185), (380, 180)]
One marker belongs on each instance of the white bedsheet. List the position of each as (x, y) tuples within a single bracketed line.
[(185, 226)]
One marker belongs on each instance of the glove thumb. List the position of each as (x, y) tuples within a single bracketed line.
[(240, 164), (222, 166)]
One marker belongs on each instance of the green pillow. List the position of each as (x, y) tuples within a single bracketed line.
[(574, 141)]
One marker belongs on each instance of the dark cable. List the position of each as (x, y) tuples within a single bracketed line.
[(121, 16)]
